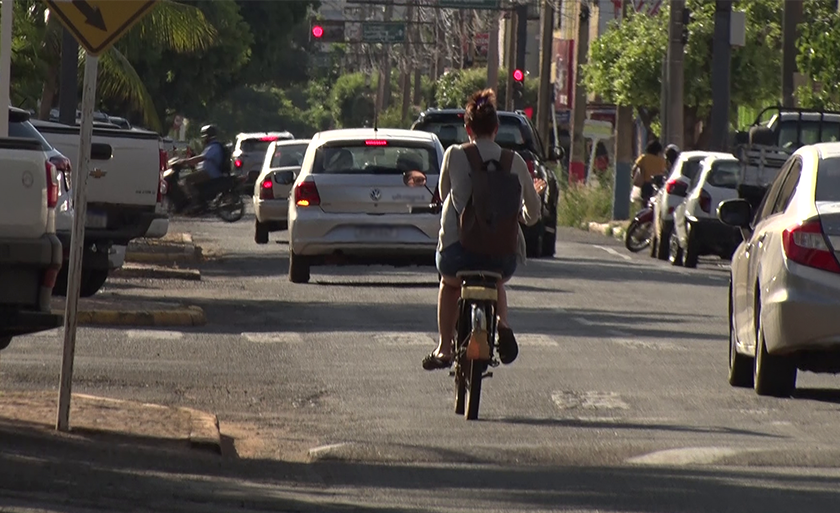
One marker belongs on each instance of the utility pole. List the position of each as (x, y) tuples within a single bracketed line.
[(721, 57), (676, 126), (493, 53), (405, 78), (624, 129), (545, 110), (791, 18), (69, 75), (577, 159), (386, 86), (521, 46), (511, 58)]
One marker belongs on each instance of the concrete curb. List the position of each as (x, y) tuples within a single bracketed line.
[(615, 229), (190, 254), (158, 273), (189, 316), (204, 431)]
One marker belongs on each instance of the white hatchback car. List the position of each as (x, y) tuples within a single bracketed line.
[(697, 230), (274, 184), (669, 197), (350, 204)]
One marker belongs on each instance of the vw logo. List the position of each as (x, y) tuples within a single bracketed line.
[(375, 194)]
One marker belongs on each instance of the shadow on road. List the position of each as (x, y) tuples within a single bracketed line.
[(42, 469)]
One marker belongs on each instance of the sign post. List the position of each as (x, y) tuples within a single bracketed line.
[(6, 11), (97, 25), (596, 131)]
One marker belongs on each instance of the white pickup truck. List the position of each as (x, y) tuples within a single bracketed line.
[(30, 252), (123, 192)]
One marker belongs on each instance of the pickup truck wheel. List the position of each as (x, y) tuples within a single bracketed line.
[(550, 236), (4, 342), (92, 281), (298, 268), (534, 240), (260, 233)]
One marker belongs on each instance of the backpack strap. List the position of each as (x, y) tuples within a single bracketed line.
[(474, 156), (506, 160)]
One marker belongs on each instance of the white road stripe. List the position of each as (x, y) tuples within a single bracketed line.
[(585, 322), (611, 251), (278, 337), (534, 340), (590, 400), (686, 456), (404, 339), (154, 334)]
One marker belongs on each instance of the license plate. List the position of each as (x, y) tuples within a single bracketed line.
[(96, 220), (378, 233)]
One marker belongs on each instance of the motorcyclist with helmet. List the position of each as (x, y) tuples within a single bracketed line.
[(210, 166)]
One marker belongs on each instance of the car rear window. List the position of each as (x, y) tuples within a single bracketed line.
[(288, 155), (255, 145), (376, 157), (809, 132), (25, 130), (691, 167), (828, 180), (724, 173)]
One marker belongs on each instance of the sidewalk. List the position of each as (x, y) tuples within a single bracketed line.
[(102, 419)]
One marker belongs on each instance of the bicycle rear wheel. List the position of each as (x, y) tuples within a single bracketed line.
[(462, 332)]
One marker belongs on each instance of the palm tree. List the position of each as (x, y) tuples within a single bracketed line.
[(171, 25)]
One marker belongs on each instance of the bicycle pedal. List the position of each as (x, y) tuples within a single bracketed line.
[(487, 375), (494, 363)]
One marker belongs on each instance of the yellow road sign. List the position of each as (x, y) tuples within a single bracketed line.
[(98, 24)]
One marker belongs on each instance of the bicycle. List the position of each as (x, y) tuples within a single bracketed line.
[(475, 341)]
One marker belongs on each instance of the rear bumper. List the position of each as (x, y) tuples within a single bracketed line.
[(272, 210), (27, 273), (123, 222), (713, 237), (21, 322)]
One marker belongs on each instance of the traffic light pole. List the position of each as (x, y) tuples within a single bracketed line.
[(510, 60), (521, 46)]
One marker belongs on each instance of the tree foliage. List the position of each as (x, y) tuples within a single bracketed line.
[(819, 55), (625, 63), (455, 87)]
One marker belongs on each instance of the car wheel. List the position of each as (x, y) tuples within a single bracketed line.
[(549, 247), (740, 366), (92, 281), (773, 375), (298, 268), (534, 240), (654, 245), (665, 235), (675, 252), (691, 251), (260, 233)]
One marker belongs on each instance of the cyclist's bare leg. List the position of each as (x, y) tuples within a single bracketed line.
[(450, 292)]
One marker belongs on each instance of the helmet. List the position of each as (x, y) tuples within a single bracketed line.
[(672, 152), (208, 132)]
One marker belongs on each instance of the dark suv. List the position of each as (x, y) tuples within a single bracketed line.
[(516, 132)]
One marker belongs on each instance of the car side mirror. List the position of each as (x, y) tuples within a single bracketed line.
[(284, 177), (736, 213), (414, 178), (556, 154), (101, 151)]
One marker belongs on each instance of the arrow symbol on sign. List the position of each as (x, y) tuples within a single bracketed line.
[(93, 16)]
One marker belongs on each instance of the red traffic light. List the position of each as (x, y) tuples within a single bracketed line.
[(518, 75), (318, 31)]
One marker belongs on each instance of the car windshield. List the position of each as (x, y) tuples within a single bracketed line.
[(828, 180), (724, 173), (375, 157), (450, 130), (288, 155)]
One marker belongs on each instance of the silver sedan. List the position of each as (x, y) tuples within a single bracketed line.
[(350, 204), (784, 300)]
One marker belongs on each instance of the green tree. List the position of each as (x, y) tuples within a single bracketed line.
[(455, 87), (819, 55), (625, 63)]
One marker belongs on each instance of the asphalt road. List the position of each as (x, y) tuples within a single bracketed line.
[(618, 401)]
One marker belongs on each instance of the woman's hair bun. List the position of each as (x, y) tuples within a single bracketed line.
[(480, 114)]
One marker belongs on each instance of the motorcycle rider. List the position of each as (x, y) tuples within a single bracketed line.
[(648, 165), (210, 168), (672, 153)]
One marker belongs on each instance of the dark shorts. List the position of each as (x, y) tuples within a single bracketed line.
[(454, 259)]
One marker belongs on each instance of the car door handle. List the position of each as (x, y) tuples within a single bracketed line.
[(761, 239)]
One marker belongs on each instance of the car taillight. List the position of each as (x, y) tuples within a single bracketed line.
[(49, 278), (676, 187), (267, 189), (164, 158), (531, 168), (52, 184), (705, 202), (306, 194), (805, 244), (237, 163)]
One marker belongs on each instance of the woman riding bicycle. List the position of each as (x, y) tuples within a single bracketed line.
[(456, 188)]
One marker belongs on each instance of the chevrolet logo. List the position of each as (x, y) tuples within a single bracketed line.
[(97, 173)]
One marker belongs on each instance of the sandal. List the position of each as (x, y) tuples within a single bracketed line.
[(434, 361), (508, 348)]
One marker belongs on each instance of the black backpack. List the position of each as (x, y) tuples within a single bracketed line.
[(227, 156)]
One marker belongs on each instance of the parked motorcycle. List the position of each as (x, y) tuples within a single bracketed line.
[(223, 197), (640, 231)]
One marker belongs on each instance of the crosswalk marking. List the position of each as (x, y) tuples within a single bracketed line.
[(402, 338), (588, 400), (155, 334), (535, 340), (279, 337)]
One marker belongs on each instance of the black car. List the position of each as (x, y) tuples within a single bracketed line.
[(516, 132)]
